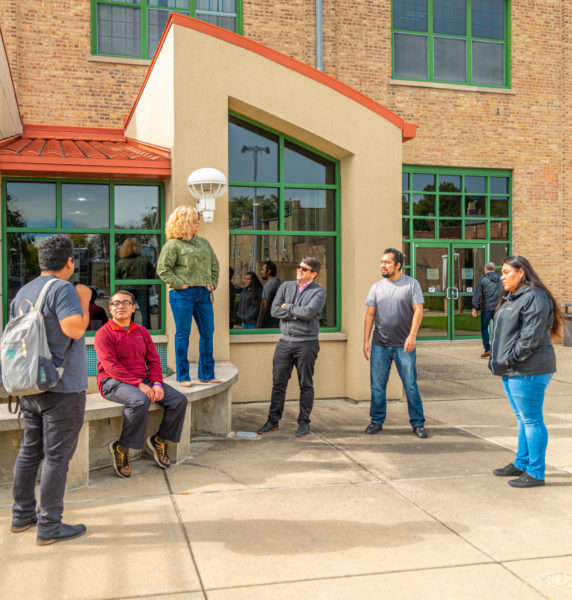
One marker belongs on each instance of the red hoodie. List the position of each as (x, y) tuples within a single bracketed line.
[(128, 356)]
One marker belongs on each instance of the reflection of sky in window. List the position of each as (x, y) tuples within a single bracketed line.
[(308, 198), (35, 204), (303, 166), (248, 156), (133, 203)]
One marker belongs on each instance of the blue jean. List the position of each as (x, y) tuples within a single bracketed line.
[(526, 397), (486, 316), (379, 367), (193, 302), (247, 326)]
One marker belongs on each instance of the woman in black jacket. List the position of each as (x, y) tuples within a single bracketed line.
[(249, 304), (521, 352)]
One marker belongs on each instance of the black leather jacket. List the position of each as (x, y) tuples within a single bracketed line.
[(521, 335)]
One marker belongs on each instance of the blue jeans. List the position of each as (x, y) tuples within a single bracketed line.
[(379, 367), (247, 326), (486, 316), (526, 397), (193, 302)]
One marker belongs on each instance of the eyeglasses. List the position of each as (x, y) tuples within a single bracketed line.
[(119, 303), (303, 268)]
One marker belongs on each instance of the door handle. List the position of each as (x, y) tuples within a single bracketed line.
[(455, 292), (447, 293)]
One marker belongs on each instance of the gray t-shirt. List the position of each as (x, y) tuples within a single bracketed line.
[(393, 301), (61, 301), (269, 293)]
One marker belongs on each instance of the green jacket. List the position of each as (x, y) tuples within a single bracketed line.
[(192, 262)]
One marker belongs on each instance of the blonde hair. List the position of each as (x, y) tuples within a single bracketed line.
[(129, 247), (181, 222)]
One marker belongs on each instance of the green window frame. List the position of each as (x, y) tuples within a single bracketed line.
[(447, 204), (460, 42), (102, 235), (272, 237), (133, 28)]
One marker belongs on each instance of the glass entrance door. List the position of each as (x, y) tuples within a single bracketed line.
[(448, 273)]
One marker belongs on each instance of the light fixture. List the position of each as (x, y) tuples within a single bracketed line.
[(206, 185)]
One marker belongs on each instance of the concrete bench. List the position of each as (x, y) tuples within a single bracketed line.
[(208, 413)]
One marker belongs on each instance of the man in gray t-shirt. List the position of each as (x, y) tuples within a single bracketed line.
[(395, 308), (268, 274)]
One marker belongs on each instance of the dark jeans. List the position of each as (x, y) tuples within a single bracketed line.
[(52, 422), (286, 356), (486, 316), (137, 408)]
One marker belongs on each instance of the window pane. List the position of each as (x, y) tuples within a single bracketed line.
[(136, 256), (219, 20), (118, 30), (450, 183), (246, 213), (450, 17), (498, 253), (499, 207), (450, 230), (499, 185), (157, 19), (91, 258), (304, 166), (475, 205), (424, 228), (487, 18), (405, 229), (410, 14), (499, 230), (405, 181), (248, 252), (450, 206), (252, 153), (406, 254), (475, 230), (30, 204), (488, 63), (424, 206), (169, 3), (405, 204), (136, 207), (227, 6), (309, 210), (475, 184), (450, 59), (85, 205), (423, 183), (148, 304), (22, 260), (410, 55)]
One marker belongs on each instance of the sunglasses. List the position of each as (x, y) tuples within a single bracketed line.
[(301, 268)]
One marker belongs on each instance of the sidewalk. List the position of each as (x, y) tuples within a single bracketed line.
[(334, 515)]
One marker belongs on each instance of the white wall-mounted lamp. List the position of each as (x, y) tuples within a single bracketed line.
[(206, 185)]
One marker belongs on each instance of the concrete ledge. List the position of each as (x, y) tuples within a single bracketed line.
[(208, 413)]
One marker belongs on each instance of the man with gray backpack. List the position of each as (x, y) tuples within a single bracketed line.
[(52, 418)]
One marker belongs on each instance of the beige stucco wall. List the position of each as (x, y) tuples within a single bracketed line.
[(209, 77), (10, 123)]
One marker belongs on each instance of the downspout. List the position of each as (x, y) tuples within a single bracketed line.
[(319, 37)]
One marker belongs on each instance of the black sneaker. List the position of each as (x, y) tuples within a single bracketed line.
[(509, 471), (64, 533), (303, 429), (120, 456), (420, 432), (159, 450), (525, 480), (268, 426), (373, 428)]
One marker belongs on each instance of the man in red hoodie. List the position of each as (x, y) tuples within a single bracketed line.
[(129, 371)]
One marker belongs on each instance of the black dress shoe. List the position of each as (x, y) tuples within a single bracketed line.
[(268, 426), (509, 471), (23, 525), (525, 481), (420, 432), (303, 429), (373, 428), (65, 532)]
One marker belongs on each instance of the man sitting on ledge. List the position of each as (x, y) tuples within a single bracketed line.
[(129, 371)]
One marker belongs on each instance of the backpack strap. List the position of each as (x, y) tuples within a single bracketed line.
[(43, 293)]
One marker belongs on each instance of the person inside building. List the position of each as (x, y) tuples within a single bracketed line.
[(129, 372), (249, 304), (189, 266), (268, 274), (522, 354), (485, 299)]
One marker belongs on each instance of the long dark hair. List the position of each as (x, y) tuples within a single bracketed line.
[(256, 288), (533, 280)]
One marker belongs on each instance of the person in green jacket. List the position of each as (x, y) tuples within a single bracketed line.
[(189, 266)]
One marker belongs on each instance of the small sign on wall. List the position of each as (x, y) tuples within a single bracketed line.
[(432, 273), (466, 273)]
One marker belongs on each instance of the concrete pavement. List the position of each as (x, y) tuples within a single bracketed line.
[(336, 514)]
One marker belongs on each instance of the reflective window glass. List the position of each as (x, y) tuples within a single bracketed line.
[(405, 181), (424, 205), (22, 260), (169, 3), (304, 166), (475, 184), (136, 256), (410, 14), (137, 207), (309, 210), (450, 17), (405, 204), (405, 229), (253, 208), (424, 228), (450, 183), (475, 230), (499, 185), (30, 204), (118, 30), (253, 153), (450, 206), (499, 230), (410, 56), (219, 20), (450, 59), (156, 21), (85, 206), (450, 229), (499, 207), (227, 6), (423, 182), (488, 63), (498, 252), (475, 205), (487, 19)]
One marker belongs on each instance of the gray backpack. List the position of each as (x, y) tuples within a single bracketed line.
[(26, 361)]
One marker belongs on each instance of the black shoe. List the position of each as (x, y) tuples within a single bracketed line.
[(373, 428), (268, 426), (508, 471), (303, 429), (66, 532), (24, 524), (420, 432), (525, 480)]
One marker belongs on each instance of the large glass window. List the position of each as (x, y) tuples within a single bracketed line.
[(283, 203), (116, 229), (452, 41), (133, 28)]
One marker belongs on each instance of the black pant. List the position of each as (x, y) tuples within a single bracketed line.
[(287, 355)]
